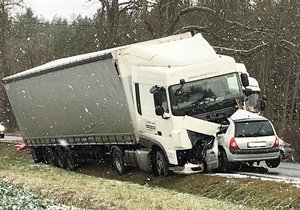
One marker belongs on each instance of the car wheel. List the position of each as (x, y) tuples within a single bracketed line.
[(273, 163), (118, 160), (162, 166), (224, 165)]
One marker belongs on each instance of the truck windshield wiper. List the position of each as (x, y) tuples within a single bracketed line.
[(225, 102)]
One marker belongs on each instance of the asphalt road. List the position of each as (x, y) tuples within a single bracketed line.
[(286, 172), (286, 169), (11, 138)]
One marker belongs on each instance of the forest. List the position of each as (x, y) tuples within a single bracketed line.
[(262, 34)]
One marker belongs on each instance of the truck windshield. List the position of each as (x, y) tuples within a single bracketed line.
[(205, 95), (253, 129)]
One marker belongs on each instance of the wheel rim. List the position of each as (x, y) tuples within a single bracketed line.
[(159, 165), (118, 162)]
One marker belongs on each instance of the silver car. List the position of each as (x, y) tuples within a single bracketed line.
[(248, 138)]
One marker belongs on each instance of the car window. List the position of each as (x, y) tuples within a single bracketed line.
[(253, 129)]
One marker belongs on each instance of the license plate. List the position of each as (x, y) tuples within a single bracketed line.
[(257, 144)]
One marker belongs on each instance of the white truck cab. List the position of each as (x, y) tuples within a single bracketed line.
[(182, 90)]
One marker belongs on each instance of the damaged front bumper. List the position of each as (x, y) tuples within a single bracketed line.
[(188, 168)]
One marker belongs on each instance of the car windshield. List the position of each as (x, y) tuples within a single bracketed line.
[(253, 129), (205, 95)]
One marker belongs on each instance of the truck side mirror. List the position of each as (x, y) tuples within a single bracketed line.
[(263, 103), (247, 92), (244, 79)]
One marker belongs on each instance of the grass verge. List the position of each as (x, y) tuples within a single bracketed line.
[(101, 188)]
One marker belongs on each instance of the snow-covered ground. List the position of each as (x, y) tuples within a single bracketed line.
[(18, 198), (243, 175)]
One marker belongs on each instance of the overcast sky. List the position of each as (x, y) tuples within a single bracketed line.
[(63, 8)]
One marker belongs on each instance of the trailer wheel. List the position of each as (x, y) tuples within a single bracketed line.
[(162, 166), (71, 163), (224, 165), (118, 160), (37, 155), (50, 156), (61, 158)]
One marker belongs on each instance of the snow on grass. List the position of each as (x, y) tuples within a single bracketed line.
[(18, 198), (263, 177)]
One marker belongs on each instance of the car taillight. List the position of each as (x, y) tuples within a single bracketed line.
[(276, 143), (233, 145)]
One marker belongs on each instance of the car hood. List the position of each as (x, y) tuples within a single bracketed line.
[(243, 115)]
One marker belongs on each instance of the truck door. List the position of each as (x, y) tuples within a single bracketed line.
[(150, 124)]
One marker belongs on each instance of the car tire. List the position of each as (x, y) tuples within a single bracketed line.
[(273, 163), (224, 165)]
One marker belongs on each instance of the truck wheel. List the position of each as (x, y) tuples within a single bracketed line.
[(50, 156), (273, 163), (118, 160), (224, 165), (37, 155), (162, 166), (61, 158), (71, 163)]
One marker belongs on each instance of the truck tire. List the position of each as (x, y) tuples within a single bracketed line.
[(51, 158), (273, 163), (118, 160), (224, 165), (37, 154), (162, 165), (61, 158), (71, 162)]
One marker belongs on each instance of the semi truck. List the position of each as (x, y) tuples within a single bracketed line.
[(155, 105)]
